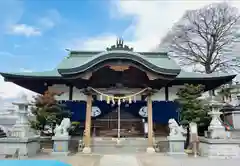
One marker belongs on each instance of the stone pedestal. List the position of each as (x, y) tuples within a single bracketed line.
[(176, 145), (216, 130), (219, 148), (87, 150), (60, 145), (150, 150), (28, 147)]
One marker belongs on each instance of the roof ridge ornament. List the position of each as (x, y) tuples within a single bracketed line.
[(119, 46)]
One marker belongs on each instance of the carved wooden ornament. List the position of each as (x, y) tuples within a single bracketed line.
[(119, 67)]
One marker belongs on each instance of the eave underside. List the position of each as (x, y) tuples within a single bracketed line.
[(40, 84)]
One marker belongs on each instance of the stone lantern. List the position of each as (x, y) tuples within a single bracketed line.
[(216, 130), (217, 143), (21, 138), (22, 128)]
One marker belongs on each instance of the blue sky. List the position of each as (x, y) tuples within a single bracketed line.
[(53, 23), (35, 33)]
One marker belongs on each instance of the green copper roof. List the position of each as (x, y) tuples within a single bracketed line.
[(44, 74), (192, 75), (78, 62), (82, 61)]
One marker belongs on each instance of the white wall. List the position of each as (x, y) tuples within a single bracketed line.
[(78, 95), (160, 95)]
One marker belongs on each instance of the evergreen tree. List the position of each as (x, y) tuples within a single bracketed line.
[(48, 111), (192, 108)]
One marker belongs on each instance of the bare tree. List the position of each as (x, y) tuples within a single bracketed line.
[(206, 37)]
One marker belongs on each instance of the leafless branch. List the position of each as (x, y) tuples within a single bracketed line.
[(207, 36)]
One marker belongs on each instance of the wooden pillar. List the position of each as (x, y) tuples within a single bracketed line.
[(150, 121), (87, 140), (166, 93), (70, 92)]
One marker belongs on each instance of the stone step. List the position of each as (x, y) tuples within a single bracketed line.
[(117, 150), (126, 145), (123, 142)]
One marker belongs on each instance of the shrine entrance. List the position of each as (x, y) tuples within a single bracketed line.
[(118, 128), (116, 69), (118, 124)]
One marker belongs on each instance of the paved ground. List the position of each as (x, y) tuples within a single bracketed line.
[(84, 160), (138, 160), (118, 160), (145, 160), (161, 160)]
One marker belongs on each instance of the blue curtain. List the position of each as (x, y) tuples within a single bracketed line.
[(78, 109), (134, 107), (162, 110)]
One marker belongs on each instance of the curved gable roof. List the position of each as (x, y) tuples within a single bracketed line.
[(158, 63)]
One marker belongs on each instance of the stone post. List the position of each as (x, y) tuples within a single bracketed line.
[(87, 139), (150, 148)]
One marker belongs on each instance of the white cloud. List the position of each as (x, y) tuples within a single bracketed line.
[(46, 22), (151, 20), (11, 90), (50, 19), (96, 43), (10, 13), (23, 29), (7, 54)]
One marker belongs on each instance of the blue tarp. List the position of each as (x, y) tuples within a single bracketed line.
[(32, 163), (162, 110)]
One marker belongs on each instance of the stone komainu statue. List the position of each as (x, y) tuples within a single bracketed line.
[(175, 129), (62, 129)]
